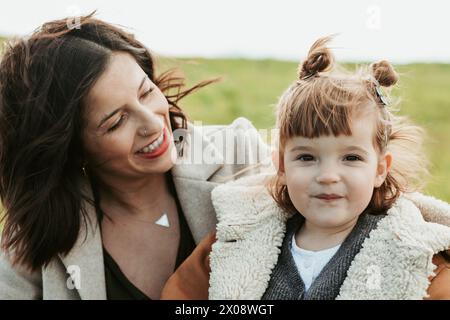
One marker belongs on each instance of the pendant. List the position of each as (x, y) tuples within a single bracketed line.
[(163, 221)]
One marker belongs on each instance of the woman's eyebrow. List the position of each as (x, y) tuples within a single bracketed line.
[(106, 117)]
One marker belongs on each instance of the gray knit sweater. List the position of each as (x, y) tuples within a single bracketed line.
[(285, 282)]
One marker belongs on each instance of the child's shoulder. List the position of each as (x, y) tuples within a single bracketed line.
[(432, 209), (246, 202), (421, 209), (245, 188), (420, 221)]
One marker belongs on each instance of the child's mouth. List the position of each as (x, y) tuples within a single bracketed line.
[(328, 197)]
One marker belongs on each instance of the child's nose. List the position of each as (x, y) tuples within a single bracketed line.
[(327, 177)]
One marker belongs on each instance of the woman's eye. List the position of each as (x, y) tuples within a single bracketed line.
[(148, 92), (118, 123), (353, 158), (305, 157)]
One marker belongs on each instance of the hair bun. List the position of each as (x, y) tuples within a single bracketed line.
[(319, 59), (384, 73)]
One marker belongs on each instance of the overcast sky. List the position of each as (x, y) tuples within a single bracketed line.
[(398, 30)]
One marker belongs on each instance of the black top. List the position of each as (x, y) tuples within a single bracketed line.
[(118, 287)]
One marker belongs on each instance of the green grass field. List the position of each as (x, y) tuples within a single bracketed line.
[(250, 88)]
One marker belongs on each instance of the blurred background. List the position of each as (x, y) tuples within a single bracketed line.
[(255, 47)]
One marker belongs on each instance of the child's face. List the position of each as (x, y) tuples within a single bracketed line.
[(330, 179)]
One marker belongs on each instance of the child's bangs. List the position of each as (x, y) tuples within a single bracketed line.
[(323, 108)]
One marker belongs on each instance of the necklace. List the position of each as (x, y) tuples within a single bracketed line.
[(162, 221)]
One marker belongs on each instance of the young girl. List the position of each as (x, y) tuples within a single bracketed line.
[(339, 220)]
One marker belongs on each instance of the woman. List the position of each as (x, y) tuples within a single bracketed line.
[(95, 206)]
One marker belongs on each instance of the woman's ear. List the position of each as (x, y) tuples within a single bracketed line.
[(383, 168), (279, 165)]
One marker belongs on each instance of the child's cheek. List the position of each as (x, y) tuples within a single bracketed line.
[(297, 183), (360, 191)]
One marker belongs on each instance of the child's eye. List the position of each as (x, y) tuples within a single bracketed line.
[(353, 157), (305, 157), (118, 123)]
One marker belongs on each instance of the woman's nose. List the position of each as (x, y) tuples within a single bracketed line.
[(150, 123)]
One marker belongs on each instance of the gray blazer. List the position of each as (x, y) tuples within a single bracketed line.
[(193, 184)]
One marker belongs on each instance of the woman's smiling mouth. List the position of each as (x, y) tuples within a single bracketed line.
[(156, 148)]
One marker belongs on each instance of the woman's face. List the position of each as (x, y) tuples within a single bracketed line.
[(128, 131)]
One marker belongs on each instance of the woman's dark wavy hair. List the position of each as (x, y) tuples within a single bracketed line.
[(43, 83)]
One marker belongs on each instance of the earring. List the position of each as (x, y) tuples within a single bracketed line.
[(83, 168)]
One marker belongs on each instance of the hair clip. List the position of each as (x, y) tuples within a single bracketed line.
[(380, 96)]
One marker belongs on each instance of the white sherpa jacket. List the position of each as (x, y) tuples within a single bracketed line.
[(399, 250)]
